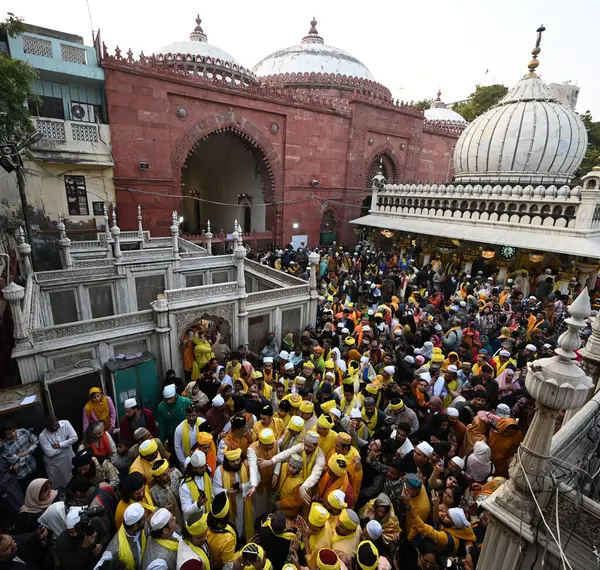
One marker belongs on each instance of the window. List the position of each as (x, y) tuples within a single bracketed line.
[(101, 301), (194, 279), (76, 196), (51, 107), (63, 306), (219, 277), (98, 208), (147, 288)]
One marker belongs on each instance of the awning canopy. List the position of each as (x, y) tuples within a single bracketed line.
[(551, 242)]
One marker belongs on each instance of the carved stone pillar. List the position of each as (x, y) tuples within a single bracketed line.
[(313, 260), (14, 294), (161, 313), (65, 247), (175, 235), (208, 235), (140, 228), (116, 232), (556, 384), (24, 252), (239, 255), (107, 232)]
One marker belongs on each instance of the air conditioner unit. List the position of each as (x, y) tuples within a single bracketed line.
[(83, 112)]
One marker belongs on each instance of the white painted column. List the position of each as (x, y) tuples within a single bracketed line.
[(14, 294), (65, 246), (140, 228), (161, 313), (24, 252), (313, 260), (175, 235), (209, 237), (239, 255)]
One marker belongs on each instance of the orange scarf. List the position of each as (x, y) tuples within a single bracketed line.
[(327, 486)]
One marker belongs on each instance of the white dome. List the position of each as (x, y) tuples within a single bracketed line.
[(528, 137), (443, 114), (312, 56), (197, 48)]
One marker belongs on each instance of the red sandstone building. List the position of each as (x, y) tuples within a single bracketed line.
[(289, 148)]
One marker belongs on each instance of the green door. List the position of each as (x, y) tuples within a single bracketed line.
[(126, 386), (149, 387)]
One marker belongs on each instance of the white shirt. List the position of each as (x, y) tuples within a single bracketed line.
[(179, 451), (188, 505)]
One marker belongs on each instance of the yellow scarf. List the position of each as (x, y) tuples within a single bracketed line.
[(372, 422), (185, 436), (100, 410), (267, 391), (228, 479), (199, 551), (168, 543), (125, 554), (195, 492), (347, 407), (337, 537), (307, 468)]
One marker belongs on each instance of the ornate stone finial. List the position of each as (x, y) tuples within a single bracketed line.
[(439, 95), (61, 227), (313, 36), (20, 235), (208, 227), (175, 218), (535, 52), (236, 234), (139, 219), (114, 215), (198, 34), (569, 341), (139, 216)]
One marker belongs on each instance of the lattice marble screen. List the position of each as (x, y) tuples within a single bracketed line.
[(70, 360), (52, 130), (84, 133), (37, 46), (131, 347), (73, 54)]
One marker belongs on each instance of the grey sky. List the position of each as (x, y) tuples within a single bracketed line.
[(413, 48)]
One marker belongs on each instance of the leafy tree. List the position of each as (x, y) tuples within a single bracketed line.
[(422, 104), (593, 152), (16, 87), (483, 98)]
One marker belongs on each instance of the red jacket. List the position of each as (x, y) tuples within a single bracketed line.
[(126, 434)]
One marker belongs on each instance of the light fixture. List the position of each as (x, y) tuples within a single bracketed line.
[(295, 225), (536, 257), (488, 253), (181, 219), (387, 233)]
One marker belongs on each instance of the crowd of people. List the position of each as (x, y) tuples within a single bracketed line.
[(371, 440)]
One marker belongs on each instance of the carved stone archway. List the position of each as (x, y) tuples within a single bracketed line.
[(391, 164), (248, 132)]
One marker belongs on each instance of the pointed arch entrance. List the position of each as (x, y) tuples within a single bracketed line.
[(224, 167)]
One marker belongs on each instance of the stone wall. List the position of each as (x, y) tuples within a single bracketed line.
[(158, 117)]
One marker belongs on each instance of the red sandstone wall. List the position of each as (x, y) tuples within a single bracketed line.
[(334, 148)]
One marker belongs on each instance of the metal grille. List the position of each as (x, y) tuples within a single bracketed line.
[(37, 46), (87, 133), (52, 130), (69, 360), (131, 347), (73, 54)]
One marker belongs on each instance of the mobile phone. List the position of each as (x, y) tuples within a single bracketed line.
[(236, 486)]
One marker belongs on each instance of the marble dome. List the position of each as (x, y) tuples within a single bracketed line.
[(444, 114), (312, 56), (526, 138), (198, 47)]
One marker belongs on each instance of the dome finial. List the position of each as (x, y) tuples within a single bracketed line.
[(198, 34), (313, 36), (439, 95), (535, 52)]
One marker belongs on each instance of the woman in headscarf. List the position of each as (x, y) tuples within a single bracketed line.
[(478, 465), (99, 442), (427, 350), (99, 408), (38, 497), (505, 382), (288, 342), (339, 362), (203, 352), (195, 394), (504, 443), (222, 377)]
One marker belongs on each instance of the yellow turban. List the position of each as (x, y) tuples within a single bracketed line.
[(349, 341), (148, 447), (307, 407), (160, 467), (199, 527), (336, 501), (330, 364), (318, 515), (296, 423), (204, 438), (397, 406), (367, 555), (328, 406), (308, 364), (327, 559), (266, 436), (348, 381), (295, 400), (289, 567), (344, 438), (256, 375), (337, 463), (232, 454), (220, 505), (372, 389), (346, 521), (324, 422)]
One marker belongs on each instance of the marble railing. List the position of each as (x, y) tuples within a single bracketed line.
[(87, 328), (75, 274), (273, 274), (278, 294), (201, 293)]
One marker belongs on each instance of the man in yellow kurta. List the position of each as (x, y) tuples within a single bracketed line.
[(343, 446), (221, 535), (294, 433), (267, 421), (288, 487), (346, 535), (148, 455), (316, 533), (327, 436)]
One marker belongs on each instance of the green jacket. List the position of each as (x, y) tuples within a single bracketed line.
[(169, 417)]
